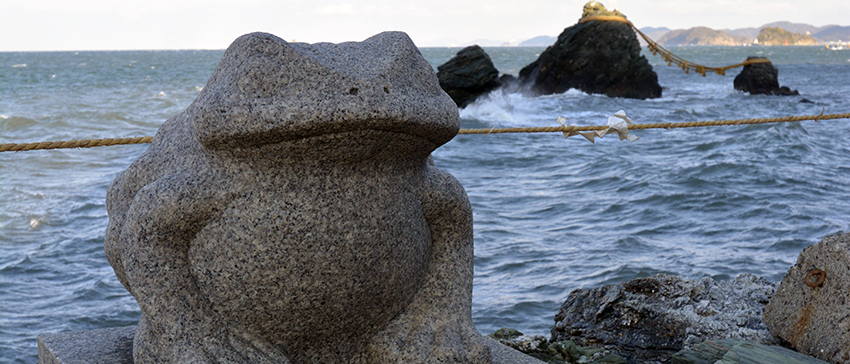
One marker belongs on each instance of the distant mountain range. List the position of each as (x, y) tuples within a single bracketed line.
[(701, 36), (742, 36)]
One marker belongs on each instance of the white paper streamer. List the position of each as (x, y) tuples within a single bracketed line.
[(618, 123)]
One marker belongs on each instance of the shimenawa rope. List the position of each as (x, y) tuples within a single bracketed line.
[(16, 147)]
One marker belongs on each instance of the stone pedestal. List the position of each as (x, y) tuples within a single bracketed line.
[(103, 346), (115, 346)]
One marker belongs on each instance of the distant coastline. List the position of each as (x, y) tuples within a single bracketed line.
[(788, 34)]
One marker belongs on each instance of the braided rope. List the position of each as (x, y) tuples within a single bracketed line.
[(20, 147), (87, 143), (691, 124), (668, 56)]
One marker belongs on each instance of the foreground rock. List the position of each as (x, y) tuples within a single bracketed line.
[(290, 215), (761, 79), (811, 307), (734, 351), (556, 352), (650, 319), (468, 75), (595, 57)]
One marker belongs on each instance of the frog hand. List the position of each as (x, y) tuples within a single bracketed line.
[(437, 326)]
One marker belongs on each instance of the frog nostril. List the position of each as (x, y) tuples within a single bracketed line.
[(353, 91)]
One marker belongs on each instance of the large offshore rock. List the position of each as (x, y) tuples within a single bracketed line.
[(650, 319), (468, 75), (290, 215), (761, 79), (600, 57), (811, 307)]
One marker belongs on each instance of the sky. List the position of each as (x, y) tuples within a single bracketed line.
[(53, 25)]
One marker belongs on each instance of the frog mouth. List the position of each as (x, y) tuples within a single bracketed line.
[(251, 124)]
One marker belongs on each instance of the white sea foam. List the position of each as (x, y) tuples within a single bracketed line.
[(574, 93), (35, 222), (498, 107), (22, 65)]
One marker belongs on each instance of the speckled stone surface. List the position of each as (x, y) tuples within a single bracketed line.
[(115, 346), (811, 307), (103, 346), (290, 214)]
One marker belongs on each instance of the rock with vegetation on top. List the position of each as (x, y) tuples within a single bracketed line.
[(811, 307), (600, 57), (468, 75), (779, 36), (652, 318), (761, 79)]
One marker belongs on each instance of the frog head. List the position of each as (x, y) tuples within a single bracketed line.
[(268, 91)]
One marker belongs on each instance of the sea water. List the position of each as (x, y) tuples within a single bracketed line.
[(550, 215)]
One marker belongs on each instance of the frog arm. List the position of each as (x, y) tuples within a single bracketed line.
[(177, 322), (437, 326)]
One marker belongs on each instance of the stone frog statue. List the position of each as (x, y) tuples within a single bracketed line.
[(291, 215)]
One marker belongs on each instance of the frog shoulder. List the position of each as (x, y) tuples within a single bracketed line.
[(442, 192)]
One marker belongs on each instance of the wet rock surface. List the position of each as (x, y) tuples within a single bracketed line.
[(468, 75), (811, 307), (734, 351), (648, 320), (761, 79), (560, 352), (600, 57)]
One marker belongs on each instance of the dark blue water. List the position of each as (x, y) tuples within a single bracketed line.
[(551, 215)]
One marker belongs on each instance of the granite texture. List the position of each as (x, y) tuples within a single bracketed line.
[(290, 214), (115, 346), (811, 307), (103, 346)]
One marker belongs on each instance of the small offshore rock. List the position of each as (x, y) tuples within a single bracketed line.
[(650, 319), (468, 75), (761, 79), (600, 57), (811, 307)]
